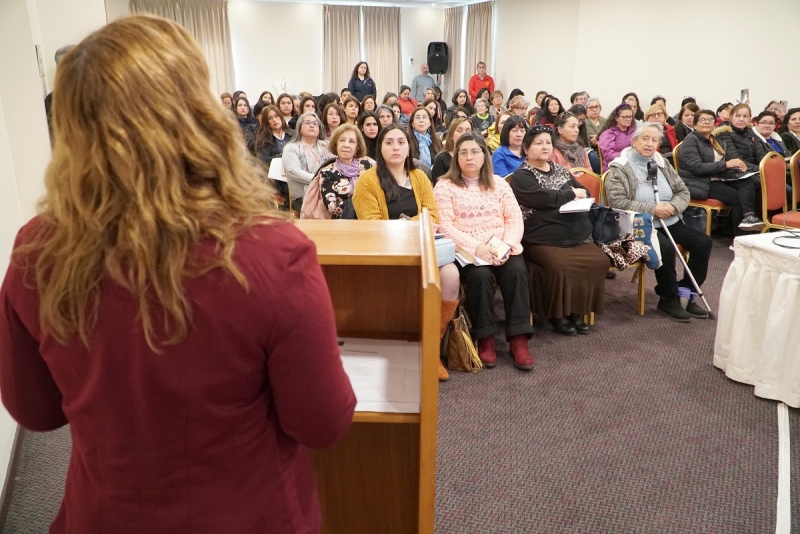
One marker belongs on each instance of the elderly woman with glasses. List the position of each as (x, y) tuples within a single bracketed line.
[(616, 134), (628, 188), (303, 155), (568, 270)]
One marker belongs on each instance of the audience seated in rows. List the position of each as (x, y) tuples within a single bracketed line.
[(475, 206), (628, 188), (568, 270)]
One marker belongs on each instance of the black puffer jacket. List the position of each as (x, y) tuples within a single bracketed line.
[(681, 131), (739, 144), (697, 165), (792, 143)]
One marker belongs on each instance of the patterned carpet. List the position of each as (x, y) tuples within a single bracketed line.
[(629, 429)]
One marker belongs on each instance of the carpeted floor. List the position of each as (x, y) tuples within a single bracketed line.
[(629, 429)]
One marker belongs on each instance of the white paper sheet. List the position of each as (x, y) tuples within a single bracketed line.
[(385, 375)]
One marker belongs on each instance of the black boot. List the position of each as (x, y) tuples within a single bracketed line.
[(577, 320), (672, 309), (563, 326)]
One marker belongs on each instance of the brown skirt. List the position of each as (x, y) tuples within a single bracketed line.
[(566, 280)]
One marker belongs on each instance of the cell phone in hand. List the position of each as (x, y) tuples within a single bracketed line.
[(783, 105), (745, 96)]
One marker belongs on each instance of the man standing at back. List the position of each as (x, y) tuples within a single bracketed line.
[(421, 82), (479, 81)]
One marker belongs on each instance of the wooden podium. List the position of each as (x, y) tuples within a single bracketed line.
[(384, 283)]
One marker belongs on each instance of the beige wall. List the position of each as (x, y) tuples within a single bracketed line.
[(418, 27), (677, 49)]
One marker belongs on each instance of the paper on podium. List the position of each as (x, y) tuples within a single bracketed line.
[(385, 374)]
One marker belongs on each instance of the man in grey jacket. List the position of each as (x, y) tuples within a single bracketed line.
[(628, 188), (421, 82)]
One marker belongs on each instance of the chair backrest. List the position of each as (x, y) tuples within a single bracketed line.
[(675, 161), (773, 182), (591, 181), (603, 183), (794, 164)]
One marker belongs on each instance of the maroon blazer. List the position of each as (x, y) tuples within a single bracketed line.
[(208, 436)]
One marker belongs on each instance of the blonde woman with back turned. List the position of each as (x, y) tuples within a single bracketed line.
[(160, 307)]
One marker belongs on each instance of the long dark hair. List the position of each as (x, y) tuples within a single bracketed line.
[(371, 144), (485, 178), (466, 105), (389, 185), (264, 137), (789, 113), (281, 96), (544, 111), (611, 121), (639, 115), (355, 70)]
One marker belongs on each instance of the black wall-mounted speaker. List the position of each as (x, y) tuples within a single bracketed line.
[(437, 57)]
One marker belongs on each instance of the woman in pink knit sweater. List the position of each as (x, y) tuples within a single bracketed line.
[(475, 207)]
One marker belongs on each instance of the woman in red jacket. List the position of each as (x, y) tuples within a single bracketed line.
[(160, 307)]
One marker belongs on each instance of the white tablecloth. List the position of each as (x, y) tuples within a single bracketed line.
[(758, 327)]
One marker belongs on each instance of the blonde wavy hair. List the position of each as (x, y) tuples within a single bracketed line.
[(146, 164)]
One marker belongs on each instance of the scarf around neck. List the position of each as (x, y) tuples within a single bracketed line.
[(424, 142), (574, 152), (349, 170)]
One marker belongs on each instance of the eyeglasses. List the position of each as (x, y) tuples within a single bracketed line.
[(310, 123), (475, 153), (705, 120), (626, 117), (657, 114), (593, 107), (765, 123)]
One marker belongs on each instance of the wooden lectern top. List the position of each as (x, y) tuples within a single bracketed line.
[(377, 242)]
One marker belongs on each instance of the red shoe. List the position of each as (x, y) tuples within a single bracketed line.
[(519, 349), (486, 351)]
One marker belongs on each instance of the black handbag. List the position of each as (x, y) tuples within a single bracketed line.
[(695, 218), (605, 224)]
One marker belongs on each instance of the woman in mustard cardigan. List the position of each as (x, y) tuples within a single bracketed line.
[(395, 189)]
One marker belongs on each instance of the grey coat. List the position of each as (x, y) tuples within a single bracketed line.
[(621, 185)]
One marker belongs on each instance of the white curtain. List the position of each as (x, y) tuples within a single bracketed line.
[(454, 79), (479, 35), (342, 36), (207, 22), (382, 47)]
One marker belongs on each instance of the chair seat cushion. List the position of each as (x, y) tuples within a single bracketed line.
[(788, 219), (709, 202)]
